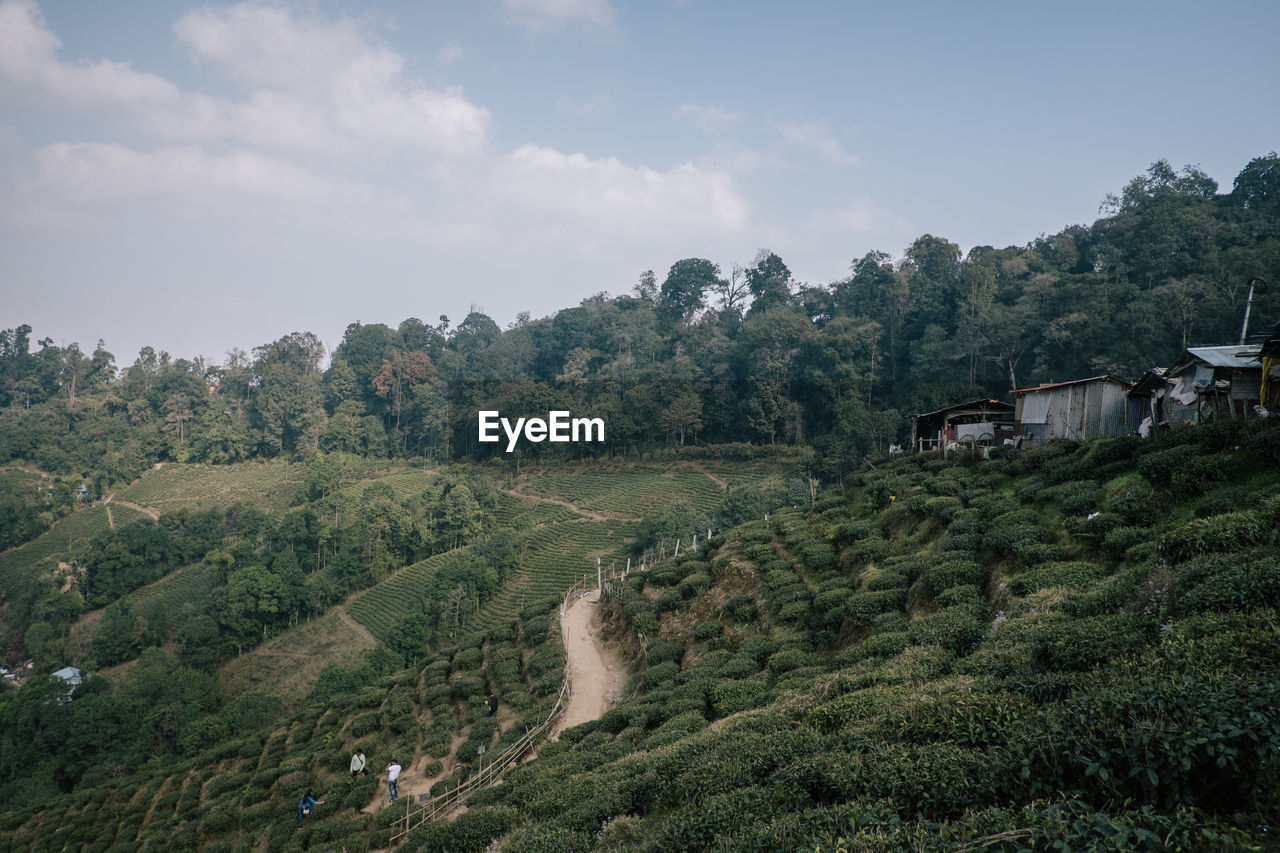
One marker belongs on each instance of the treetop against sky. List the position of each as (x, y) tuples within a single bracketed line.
[(202, 176)]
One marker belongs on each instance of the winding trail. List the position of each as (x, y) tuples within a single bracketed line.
[(593, 514), (596, 673)]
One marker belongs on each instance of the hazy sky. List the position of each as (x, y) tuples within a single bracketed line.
[(202, 177)]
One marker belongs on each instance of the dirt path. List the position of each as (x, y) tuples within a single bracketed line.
[(413, 778), (361, 631), (153, 514), (597, 674), (593, 514)]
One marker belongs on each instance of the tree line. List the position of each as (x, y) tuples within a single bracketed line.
[(703, 356)]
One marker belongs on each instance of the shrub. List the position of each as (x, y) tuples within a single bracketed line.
[(1185, 470), (694, 585), (707, 630), (1228, 582), (1079, 498), (740, 608), (787, 660), (1133, 500), (1032, 555), (877, 645), (1073, 575), (944, 507), (1223, 501), (730, 697), (535, 630), (958, 629), (467, 660), (868, 551), (1120, 539), (1081, 644), (948, 573), (466, 686), (660, 650), (365, 724), (1229, 532), (655, 675), (855, 531), (1006, 537), (669, 601)]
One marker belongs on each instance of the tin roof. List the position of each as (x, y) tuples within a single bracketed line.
[(1233, 356), (975, 405), (1046, 387)]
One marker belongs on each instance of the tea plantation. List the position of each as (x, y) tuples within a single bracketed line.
[(1075, 647)]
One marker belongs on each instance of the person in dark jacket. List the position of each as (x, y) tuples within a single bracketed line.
[(492, 702)]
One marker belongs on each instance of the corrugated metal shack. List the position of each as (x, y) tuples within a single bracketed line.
[(1212, 383), (977, 422), (1080, 409)]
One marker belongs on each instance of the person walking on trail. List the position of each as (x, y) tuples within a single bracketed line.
[(306, 804), (492, 702), (393, 773), (357, 764)]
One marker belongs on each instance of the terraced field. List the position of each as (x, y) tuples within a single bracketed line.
[(554, 558), (271, 486), (635, 491), (524, 513), (188, 584), (379, 607), (406, 483), (19, 563)]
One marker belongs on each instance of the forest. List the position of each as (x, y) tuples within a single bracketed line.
[(700, 356)]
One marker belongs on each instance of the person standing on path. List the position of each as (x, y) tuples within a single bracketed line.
[(393, 773), (357, 764), (492, 703)]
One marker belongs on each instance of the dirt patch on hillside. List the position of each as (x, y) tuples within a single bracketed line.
[(289, 664)]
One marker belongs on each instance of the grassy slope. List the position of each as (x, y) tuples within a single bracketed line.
[(1068, 646)]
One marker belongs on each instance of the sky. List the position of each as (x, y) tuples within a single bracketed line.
[(203, 177)]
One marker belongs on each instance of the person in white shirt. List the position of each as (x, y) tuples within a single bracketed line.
[(393, 773), (357, 764)]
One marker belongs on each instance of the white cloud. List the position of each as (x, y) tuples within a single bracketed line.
[(606, 194), (92, 171), (449, 54), (862, 216), (595, 105), (314, 85), (542, 14), (311, 156), (818, 138), (709, 117), (337, 69), (28, 63)]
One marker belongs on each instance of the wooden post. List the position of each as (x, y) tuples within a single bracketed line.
[(599, 579), (677, 553)]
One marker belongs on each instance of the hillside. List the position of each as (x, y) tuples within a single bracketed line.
[(1073, 645)]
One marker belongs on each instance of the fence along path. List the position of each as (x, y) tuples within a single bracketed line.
[(439, 807)]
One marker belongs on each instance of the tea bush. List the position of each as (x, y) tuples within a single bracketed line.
[(1228, 532), (1078, 575)]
